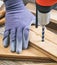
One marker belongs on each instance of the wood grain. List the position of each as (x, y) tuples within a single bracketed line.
[(29, 54), (53, 16), (49, 35), (47, 47), (43, 64)]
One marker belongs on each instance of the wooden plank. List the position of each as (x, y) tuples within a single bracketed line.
[(53, 16), (2, 13), (2, 7), (2, 21), (47, 47), (52, 26), (29, 54), (31, 7), (49, 35), (42, 64)]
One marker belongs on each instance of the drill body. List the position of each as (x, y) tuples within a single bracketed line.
[(43, 8)]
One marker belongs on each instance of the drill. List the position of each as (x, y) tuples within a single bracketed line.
[(43, 8)]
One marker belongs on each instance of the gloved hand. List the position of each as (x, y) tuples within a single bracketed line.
[(18, 21)]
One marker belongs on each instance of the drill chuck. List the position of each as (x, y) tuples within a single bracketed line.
[(43, 18)]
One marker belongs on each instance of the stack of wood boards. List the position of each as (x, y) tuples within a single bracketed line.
[(29, 54), (37, 50)]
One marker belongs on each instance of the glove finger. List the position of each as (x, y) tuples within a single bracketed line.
[(19, 40), (13, 40), (33, 21), (6, 38), (25, 37)]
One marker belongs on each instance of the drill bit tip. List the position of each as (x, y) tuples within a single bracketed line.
[(43, 32)]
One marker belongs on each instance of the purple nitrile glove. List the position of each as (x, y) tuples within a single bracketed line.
[(18, 21)]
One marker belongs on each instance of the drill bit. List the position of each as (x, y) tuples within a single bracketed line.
[(43, 32)]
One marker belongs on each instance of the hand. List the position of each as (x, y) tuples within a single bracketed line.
[(18, 21)]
